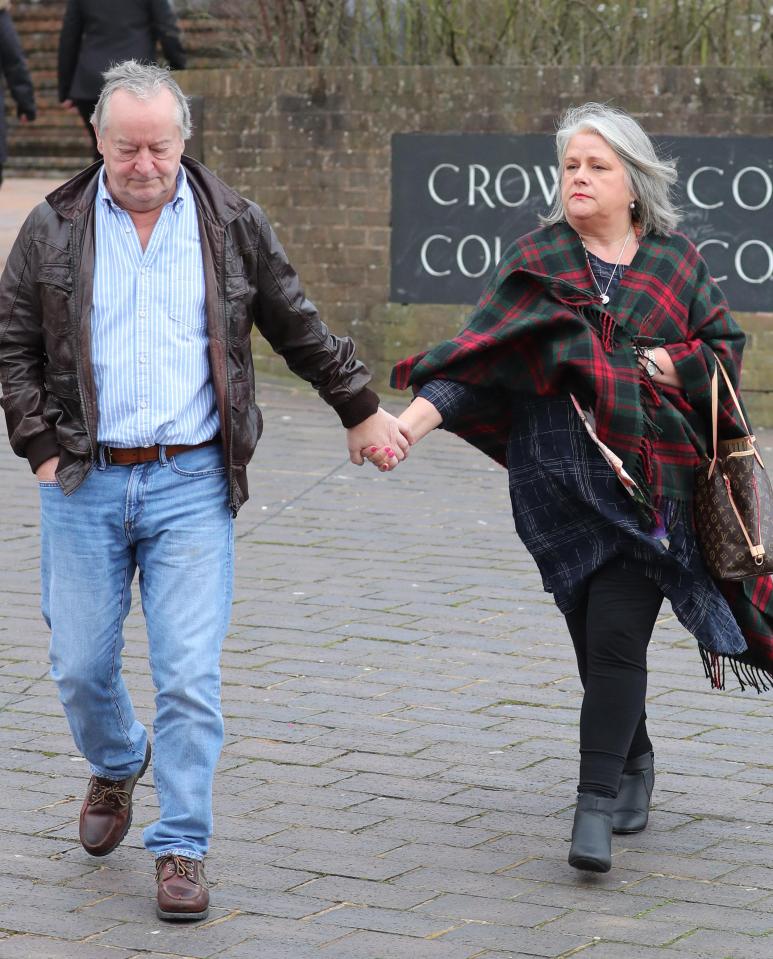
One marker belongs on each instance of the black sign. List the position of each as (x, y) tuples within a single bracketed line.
[(459, 200)]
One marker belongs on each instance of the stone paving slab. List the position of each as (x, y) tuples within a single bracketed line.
[(18, 195), (401, 712)]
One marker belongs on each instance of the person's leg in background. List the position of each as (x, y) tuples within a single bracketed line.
[(86, 108)]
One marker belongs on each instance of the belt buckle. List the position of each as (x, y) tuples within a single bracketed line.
[(108, 451)]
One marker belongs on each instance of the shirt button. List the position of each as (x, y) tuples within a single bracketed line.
[(143, 404), (143, 358), (141, 313)]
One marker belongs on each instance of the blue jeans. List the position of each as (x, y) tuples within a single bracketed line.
[(170, 519)]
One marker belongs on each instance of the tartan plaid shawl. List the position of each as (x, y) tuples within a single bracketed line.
[(540, 327)]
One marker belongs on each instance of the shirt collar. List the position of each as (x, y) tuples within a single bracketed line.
[(181, 190)]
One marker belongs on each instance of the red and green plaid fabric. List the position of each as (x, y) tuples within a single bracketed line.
[(751, 602), (540, 327)]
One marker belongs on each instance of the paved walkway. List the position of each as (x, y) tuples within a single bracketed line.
[(399, 770), (17, 198)]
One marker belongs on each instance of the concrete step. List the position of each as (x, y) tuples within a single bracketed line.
[(56, 167)]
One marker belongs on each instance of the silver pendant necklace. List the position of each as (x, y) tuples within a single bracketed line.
[(603, 293)]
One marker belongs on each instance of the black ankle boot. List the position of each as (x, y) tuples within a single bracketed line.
[(632, 806), (592, 833)]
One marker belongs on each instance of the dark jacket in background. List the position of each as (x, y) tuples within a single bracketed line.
[(14, 69), (99, 33)]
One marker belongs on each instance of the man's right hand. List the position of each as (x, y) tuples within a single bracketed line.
[(46, 472)]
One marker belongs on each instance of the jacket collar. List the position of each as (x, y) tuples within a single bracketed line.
[(216, 201)]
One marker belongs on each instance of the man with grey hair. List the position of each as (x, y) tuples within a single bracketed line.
[(126, 308)]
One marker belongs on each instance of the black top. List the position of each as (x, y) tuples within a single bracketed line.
[(99, 33), (14, 69), (607, 275)]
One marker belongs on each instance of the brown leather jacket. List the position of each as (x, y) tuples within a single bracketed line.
[(49, 396)]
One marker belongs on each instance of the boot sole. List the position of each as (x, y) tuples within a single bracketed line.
[(628, 832), (181, 916), (589, 865)]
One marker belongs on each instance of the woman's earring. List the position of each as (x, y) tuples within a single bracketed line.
[(633, 204)]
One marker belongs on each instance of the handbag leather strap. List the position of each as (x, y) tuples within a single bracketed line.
[(715, 415)]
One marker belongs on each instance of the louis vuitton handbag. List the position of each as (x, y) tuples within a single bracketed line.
[(733, 501)]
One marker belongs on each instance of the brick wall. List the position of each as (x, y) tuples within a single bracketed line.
[(312, 146)]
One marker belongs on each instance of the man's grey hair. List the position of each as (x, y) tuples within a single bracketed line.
[(650, 177), (144, 81)]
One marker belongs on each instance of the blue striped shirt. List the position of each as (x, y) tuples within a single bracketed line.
[(149, 345)]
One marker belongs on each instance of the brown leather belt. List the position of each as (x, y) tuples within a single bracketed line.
[(146, 454)]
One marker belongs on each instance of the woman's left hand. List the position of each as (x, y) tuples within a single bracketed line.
[(383, 458), (666, 373)]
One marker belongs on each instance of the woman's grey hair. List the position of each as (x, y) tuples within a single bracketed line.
[(144, 81), (649, 175)]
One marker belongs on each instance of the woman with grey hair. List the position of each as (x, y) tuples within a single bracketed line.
[(585, 370)]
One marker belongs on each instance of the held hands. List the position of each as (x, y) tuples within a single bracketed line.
[(381, 434), (383, 458), (414, 423)]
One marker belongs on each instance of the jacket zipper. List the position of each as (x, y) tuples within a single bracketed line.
[(77, 327), (227, 428)]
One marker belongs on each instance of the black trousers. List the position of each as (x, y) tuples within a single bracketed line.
[(611, 630), (86, 108)]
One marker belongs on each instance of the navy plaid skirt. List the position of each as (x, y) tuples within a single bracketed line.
[(574, 516)]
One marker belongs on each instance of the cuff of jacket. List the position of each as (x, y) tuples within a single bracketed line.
[(358, 408), (41, 448)]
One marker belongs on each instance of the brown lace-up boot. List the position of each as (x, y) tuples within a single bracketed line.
[(106, 813), (183, 895)]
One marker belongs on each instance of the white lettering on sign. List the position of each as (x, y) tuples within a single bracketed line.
[(549, 192), (498, 185), (475, 186), (459, 203), (425, 252), (739, 261), (701, 246), (431, 183), (474, 255), (735, 187), (479, 187), (692, 196)]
